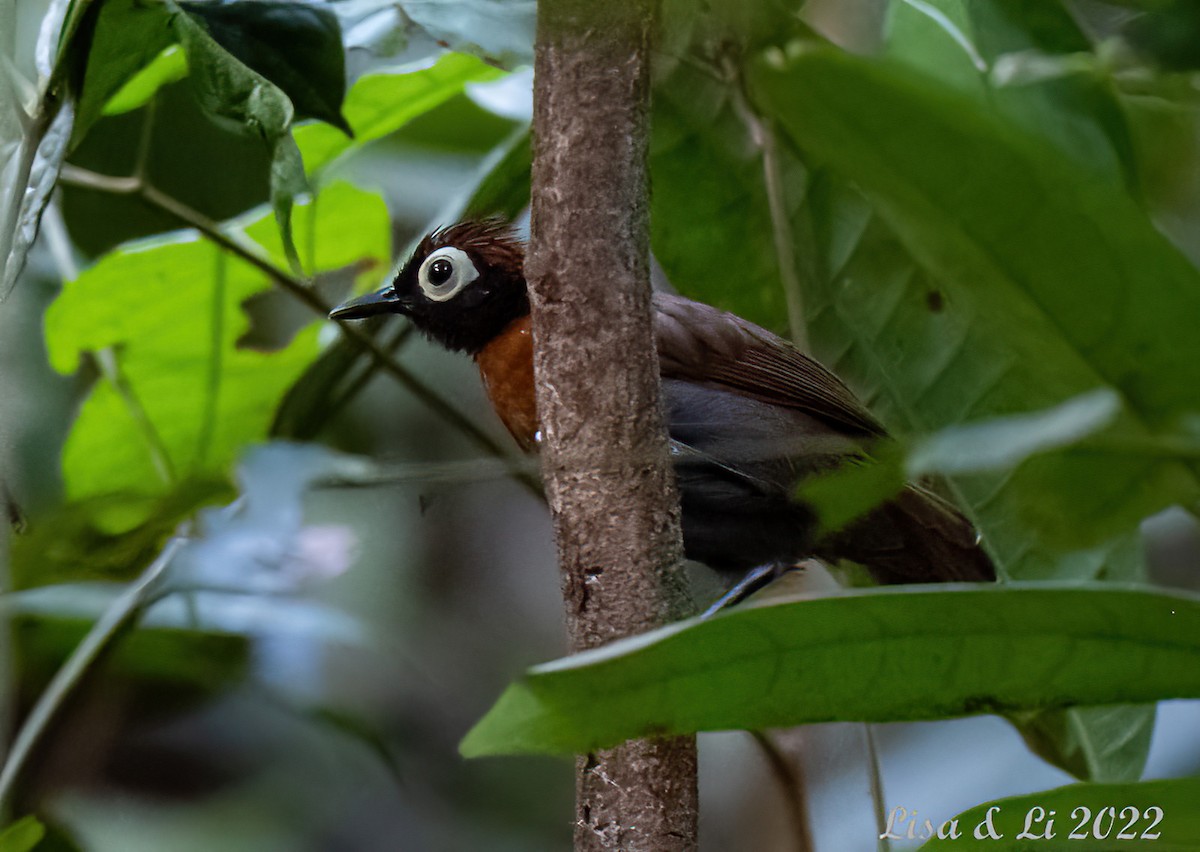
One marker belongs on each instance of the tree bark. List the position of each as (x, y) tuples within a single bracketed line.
[(604, 450)]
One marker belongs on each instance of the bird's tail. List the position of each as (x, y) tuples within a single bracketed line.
[(917, 537)]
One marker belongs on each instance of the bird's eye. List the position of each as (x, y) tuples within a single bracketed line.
[(446, 272)]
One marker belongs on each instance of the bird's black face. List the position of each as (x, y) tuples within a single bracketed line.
[(462, 286)]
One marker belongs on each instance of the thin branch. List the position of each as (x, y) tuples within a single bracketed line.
[(876, 776), (119, 615), (210, 229), (787, 774), (763, 135)]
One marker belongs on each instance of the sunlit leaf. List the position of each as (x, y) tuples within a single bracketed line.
[(381, 103), (168, 67), (169, 311)]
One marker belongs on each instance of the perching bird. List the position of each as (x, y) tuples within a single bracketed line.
[(749, 416)]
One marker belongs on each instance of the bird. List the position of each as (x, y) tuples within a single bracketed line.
[(750, 418)]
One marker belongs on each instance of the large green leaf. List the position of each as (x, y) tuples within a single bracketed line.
[(169, 311), (381, 103), (1028, 62), (711, 229), (1159, 815), (297, 46), (882, 655), (1045, 284)]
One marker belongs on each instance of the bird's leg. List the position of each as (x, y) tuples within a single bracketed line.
[(755, 579)]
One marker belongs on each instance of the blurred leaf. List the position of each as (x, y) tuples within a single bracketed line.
[(1100, 813), (169, 311), (500, 31), (194, 661), (379, 104), (1027, 62), (260, 544), (1107, 744), (238, 97), (882, 655), (1047, 283), (853, 489), (27, 176), (129, 36), (1169, 33), (168, 67), (297, 46), (22, 836), (1005, 442), (107, 537)]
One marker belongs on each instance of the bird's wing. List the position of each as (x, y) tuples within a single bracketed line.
[(700, 343)]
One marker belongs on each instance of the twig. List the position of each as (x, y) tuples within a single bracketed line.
[(119, 615), (781, 232), (792, 785), (153, 196), (876, 776)]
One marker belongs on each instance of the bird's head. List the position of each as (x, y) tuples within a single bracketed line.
[(462, 286)]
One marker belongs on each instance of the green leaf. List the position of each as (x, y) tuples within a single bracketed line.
[(705, 169), (235, 95), (1005, 442), (1099, 813), (1046, 282), (297, 46), (168, 67), (1094, 743), (181, 399), (130, 35), (1168, 34), (22, 836), (379, 104), (1026, 61), (882, 655)]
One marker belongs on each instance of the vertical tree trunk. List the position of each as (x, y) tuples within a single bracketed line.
[(604, 454)]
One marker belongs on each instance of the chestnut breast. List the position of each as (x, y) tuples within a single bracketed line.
[(506, 365)]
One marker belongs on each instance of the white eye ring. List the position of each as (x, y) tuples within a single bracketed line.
[(462, 273)]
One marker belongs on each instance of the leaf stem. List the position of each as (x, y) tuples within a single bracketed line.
[(763, 135)]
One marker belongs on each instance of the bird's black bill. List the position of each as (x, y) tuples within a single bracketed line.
[(383, 301)]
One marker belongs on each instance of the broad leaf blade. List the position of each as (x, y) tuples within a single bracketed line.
[(379, 104), (1045, 282), (883, 655), (170, 311), (297, 46)]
